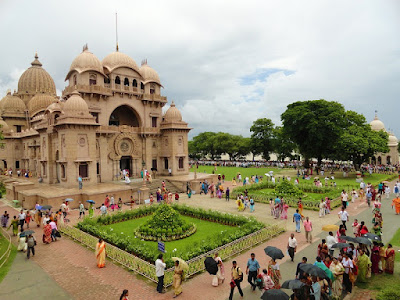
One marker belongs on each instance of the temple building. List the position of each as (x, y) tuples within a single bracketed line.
[(392, 157), (108, 119)]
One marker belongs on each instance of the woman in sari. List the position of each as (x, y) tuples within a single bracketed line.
[(22, 245), (38, 217), (377, 229), (234, 181), (300, 207), (14, 225), (101, 253), (284, 211), (323, 250), (337, 270), (219, 277), (47, 233), (4, 219), (91, 210), (363, 264), (240, 205), (375, 259), (390, 256), (319, 263), (267, 281), (274, 273), (177, 283)]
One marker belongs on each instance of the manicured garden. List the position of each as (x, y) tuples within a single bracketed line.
[(213, 229)]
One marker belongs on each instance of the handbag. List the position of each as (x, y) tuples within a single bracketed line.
[(232, 284), (58, 234)]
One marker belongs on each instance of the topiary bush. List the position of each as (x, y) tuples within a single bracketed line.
[(166, 224), (288, 188)]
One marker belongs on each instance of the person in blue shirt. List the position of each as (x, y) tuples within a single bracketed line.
[(252, 270), (296, 219), (315, 289)]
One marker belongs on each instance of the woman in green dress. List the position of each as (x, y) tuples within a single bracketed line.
[(363, 264), (91, 210), (14, 225)]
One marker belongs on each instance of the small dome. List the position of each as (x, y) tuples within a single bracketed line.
[(36, 80), (86, 61), (39, 103), (376, 124), (119, 60), (148, 73), (3, 125), (55, 106), (76, 104), (173, 114), (11, 103), (393, 141)]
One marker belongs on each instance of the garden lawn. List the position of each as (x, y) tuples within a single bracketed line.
[(3, 247), (231, 172), (395, 241), (205, 230)]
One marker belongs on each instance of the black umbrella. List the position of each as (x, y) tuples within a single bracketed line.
[(292, 284), (26, 233), (211, 265), (348, 238), (340, 245), (274, 252), (313, 270), (363, 240), (373, 237), (274, 294), (45, 207)]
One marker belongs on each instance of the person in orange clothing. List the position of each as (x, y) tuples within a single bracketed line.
[(396, 204)]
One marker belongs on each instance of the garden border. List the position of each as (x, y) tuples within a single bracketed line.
[(196, 264)]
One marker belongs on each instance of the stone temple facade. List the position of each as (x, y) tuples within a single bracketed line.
[(392, 157), (108, 119)]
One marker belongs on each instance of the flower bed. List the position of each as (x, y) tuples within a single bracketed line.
[(149, 253)]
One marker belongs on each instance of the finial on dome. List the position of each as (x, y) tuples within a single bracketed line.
[(376, 115), (8, 92), (144, 61), (36, 62), (85, 48), (117, 47), (172, 103)]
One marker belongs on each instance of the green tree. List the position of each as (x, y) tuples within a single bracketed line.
[(204, 144), (283, 146), (358, 141), (262, 137), (315, 126)]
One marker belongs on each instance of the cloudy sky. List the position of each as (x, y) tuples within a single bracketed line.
[(225, 63)]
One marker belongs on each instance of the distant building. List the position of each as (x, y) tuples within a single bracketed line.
[(108, 120), (392, 157)]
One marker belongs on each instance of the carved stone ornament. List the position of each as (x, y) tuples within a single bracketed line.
[(125, 144)]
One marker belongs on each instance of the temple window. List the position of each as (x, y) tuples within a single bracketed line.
[(141, 86), (153, 122), (126, 82), (180, 163), (106, 80), (134, 83), (83, 170), (92, 79), (117, 80), (63, 173)]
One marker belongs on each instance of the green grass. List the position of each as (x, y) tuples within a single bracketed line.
[(205, 230), (231, 172), (395, 241), (3, 247)]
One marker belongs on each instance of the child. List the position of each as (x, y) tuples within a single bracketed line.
[(251, 205)]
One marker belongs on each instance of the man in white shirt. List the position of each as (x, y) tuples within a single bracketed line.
[(343, 216), (330, 241), (63, 208), (292, 246), (103, 210), (160, 267), (21, 218), (81, 210)]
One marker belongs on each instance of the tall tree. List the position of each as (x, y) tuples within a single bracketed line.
[(262, 137), (283, 146), (205, 144), (315, 126)]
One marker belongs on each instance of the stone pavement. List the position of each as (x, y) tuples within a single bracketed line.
[(73, 267)]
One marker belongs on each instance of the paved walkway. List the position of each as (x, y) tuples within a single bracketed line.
[(73, 268)]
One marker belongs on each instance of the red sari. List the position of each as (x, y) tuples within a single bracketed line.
[(47, 234)]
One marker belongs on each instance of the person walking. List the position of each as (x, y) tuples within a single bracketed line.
[(252, 270), (21, 219), (124, 295), (103, 210), (343, 216), (330, 241), (308, 229), (80, 184), (227, 194), (28, 218), (81, 210), (292, 246), (160, 267), (344, 197), (237, 278), (296, 219), (101, 253), (31, 242), (14, 224), (177, 282), (4, 219), (322, 206)]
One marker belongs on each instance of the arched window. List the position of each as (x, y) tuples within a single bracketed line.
[(92, 79), (379, 160), (134, 83), (388, 158), (106, 80), (180, 163), (141, 86), (117, 80), (126, 82), (152, 88), (63, 171)]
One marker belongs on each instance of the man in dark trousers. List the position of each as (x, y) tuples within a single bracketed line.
[(252, 270), (237, 278)]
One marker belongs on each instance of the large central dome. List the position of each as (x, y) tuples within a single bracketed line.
[(36, 80), (119, 60)]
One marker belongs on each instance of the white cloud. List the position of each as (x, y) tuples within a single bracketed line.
[(338, 50)]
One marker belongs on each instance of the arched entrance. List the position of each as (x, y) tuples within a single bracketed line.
[(125, 163), (379, 160), (388, 160), (124, 115)]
